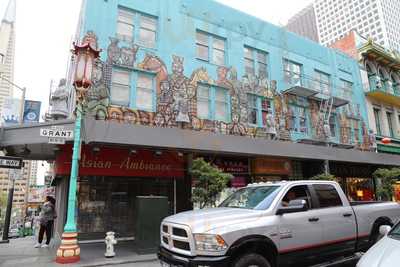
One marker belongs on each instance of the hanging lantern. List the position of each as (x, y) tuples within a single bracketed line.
[(85, 53), (386, 140)]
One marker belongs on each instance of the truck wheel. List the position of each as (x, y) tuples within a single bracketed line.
[(251, 260)]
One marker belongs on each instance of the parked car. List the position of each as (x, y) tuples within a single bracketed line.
[(385, 253), (275, 224)]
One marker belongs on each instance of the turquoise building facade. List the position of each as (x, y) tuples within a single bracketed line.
[(255, 78)]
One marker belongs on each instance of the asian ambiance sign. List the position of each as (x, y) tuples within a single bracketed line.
[(121, 162)]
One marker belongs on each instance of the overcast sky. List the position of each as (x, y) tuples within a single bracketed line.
[(45, 28)]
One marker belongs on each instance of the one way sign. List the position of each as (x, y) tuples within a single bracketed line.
[(10, 162)]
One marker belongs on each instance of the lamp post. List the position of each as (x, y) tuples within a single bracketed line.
[(85, 55)]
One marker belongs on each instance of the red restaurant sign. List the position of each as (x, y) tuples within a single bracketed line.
[(119, 162)]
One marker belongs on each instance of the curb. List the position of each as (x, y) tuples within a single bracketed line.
[(118, 262)]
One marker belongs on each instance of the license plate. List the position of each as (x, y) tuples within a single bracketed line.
[(164, 264)]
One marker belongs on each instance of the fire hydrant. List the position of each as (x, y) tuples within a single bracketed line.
[(110, 242)]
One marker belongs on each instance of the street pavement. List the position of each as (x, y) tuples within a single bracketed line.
[(20, 252)]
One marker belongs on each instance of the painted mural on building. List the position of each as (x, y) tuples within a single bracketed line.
[(176, 101)]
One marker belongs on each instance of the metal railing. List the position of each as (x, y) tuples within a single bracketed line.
[(387, 86)]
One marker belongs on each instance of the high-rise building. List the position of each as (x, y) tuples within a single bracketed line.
[(7, 51), (21, 186), (304, 23), (375, 19)]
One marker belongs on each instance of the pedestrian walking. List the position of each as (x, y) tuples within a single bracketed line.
[(46, 220)]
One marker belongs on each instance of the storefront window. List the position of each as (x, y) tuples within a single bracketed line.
[(108, 203), (360, 189)]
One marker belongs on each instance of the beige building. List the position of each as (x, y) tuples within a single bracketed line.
[(380, 71), (21, 185), (7, 51)]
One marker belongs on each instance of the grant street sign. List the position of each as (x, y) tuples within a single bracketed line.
[(57, 133), (10, 162)]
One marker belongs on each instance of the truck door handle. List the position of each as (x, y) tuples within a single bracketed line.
[(347, 215), (313, 219)]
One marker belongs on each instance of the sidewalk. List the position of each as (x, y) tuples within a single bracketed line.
[(20, 252)]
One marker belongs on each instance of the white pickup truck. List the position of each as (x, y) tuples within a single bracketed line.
[(275, 224)]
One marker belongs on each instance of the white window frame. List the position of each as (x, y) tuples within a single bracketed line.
[(212, 46)]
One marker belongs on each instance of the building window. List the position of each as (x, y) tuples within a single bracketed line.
[(210, 48), (136, 26), (332, 124), (322, 82), (255, 62), (125, 27), (221, 104), (377, 115), (389, 116), (292, 72), (120, 88), (258, 109), (203, 102), (148, 31), (144, 92), (213, 103), (298, 121), (346, 90)]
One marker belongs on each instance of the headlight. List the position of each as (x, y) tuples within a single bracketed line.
[(213, 243)]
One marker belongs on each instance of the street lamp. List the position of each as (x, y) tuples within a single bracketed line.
[(85, 55)]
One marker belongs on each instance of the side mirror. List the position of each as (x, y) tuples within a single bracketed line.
[(295, 205), (384, 229)]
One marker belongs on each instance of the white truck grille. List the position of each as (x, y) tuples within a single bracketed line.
[(177, 238)]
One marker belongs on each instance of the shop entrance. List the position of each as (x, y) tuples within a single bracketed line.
[(108, 203)]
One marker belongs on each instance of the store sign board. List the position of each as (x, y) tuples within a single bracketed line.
[(10, 162), (109, 161), (230, 164), (274, 166)]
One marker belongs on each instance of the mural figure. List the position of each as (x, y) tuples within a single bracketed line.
[(236, 127), (181, 107), (270, 124), (124, 56), (181, 89), (97, 97), (222, 79), (166, 94)]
